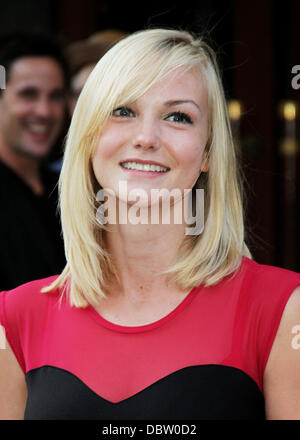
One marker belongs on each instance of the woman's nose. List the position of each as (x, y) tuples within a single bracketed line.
[(147, 135)]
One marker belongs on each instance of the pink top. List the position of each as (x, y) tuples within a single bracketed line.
[(232, 324)]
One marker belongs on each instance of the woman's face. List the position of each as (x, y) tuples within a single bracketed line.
[(157, 141)]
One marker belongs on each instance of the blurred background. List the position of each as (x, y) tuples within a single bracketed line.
[(257, 44)]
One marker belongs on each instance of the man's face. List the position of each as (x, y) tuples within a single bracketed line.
[(32, 106)]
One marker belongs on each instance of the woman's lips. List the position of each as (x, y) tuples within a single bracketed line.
[(141, 173), (143, 168)]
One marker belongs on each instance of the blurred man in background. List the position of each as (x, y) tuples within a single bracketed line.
[(32, 112), (83, 55)]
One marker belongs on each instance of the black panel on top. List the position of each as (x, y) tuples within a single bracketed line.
[(202, 392)]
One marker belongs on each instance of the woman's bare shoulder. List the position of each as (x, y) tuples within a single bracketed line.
[(282, 372), (13, 391)]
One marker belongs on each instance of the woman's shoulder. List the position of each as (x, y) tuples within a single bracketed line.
[(261, 269), (258, 283), (263, 295), (266, 281), (25, 298), (23, 314), (31, 288)]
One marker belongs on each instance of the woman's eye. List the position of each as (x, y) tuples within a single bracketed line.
[(179, 117), (123, 112)]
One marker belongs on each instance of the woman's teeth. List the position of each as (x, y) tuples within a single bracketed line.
[(143, 167)]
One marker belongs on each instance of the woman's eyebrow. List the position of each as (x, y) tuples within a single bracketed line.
[(181, 101)]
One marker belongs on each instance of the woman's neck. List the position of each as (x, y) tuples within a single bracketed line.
[(140, 252)]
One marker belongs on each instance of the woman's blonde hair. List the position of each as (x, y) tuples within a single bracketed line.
[(122, 75)]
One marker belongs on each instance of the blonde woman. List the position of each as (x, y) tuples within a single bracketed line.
[(152, 319)]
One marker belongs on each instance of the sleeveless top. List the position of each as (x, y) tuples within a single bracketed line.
[(204, 360)]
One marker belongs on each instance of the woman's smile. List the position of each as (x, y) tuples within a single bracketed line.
[(137, 167)]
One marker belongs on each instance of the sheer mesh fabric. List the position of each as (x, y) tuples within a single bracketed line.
[(232, 324)]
